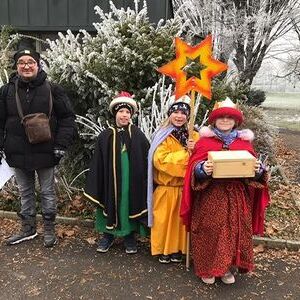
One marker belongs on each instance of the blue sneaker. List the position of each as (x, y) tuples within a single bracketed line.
[(105, 243)]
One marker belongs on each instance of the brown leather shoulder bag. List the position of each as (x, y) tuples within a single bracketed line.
[(37, 125)]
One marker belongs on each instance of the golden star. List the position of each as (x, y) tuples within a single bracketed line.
[(208, 67)]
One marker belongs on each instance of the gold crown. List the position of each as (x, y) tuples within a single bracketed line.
[(226, 103)]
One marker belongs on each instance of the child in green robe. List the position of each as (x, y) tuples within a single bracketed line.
[(117, 179)]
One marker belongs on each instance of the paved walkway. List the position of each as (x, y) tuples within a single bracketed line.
[(74, 270)]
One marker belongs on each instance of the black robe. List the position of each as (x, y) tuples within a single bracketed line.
[(103, 184)]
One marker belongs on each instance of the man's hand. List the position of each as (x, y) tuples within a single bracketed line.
[(58, 154)]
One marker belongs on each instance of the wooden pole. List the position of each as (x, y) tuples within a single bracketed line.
[(192, 115), (187, 259), (191, 129)]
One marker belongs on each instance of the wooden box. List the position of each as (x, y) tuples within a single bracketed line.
[(232, 164)]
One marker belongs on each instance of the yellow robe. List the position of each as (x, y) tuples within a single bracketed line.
[(168, 234)]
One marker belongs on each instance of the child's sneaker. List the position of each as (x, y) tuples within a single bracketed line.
[(130, 244), (105, 243), (176, 257), (228, 278), (164, 259), (208, 280)]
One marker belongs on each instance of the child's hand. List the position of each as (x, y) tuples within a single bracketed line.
[(208, 167), (257, 166), (190, 145)]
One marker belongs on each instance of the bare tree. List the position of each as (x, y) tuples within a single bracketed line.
[(203, 17), (243, 29), (292, 66)]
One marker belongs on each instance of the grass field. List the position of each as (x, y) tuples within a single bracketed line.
[(283, 110), (283, 101)]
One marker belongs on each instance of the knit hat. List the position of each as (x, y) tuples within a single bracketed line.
[(226, 108), (123, 100), (182, 104), (35, 55)]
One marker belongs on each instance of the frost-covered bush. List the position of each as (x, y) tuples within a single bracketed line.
[(151, 118), (123, 55), (6, 44)]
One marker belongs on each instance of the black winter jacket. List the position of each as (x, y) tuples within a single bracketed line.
[(34, 96)]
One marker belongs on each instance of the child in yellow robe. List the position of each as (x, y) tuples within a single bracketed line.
[(167, 161)]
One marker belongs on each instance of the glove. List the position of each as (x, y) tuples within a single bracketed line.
[(58, 154), (1, 156)]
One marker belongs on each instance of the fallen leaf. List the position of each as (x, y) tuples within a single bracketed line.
[(91, 240), (259, 248)]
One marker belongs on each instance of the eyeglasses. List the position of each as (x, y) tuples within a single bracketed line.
[(30, 64)]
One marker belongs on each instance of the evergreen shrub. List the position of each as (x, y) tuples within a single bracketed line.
[(255, 97)]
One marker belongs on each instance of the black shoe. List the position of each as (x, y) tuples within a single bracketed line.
[(20, 237), (164, 259), (27, 232), (49, 231), (50, 241), (176, 257), (105, 243), (130, 244)]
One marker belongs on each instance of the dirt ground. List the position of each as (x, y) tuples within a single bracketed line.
[(291, 140), (283, 213), (74, 270)]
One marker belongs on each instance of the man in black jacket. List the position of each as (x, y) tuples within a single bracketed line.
[(26, 158)]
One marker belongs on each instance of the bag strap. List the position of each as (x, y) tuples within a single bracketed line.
[(19, 106), (50, 97)]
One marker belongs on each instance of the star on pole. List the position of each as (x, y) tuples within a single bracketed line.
[(193, 68)]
